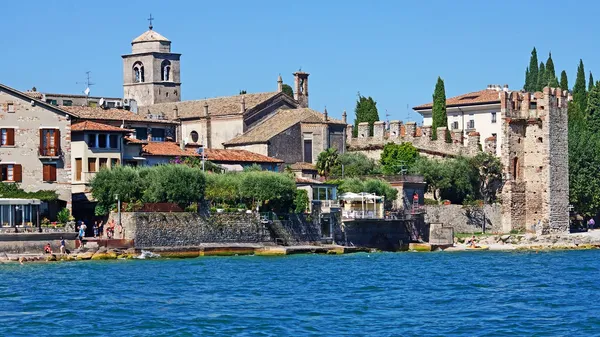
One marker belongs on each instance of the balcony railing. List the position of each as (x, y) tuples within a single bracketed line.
[(52, 152)]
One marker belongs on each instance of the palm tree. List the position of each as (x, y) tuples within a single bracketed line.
[(326, 161)]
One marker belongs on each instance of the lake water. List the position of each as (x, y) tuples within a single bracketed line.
[(382, 294)]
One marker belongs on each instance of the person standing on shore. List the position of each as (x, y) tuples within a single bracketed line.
[(63, 245), (591, 223), (82, 233), (95, 229), (101, 228)]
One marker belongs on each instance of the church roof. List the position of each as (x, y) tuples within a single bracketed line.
[(218, 106), (150, 36), (282, 120), (98, 113)]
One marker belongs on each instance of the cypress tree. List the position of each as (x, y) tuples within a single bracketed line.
[(526, 85), (541, 80), (532, 75), (579, 94), (439, 117), (564, 82), (591, 82), (550, 73), (592, 110), (365, 111)]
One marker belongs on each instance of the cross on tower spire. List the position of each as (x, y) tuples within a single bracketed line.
[(150, 20)]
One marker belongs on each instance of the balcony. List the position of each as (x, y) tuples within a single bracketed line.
[(327, 206), (49, 153)]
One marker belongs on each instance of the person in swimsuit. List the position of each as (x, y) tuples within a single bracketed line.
[(63, 245), (47, 249)]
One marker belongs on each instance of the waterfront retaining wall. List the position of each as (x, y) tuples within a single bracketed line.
[(389, 235), (191, 229), (466, 219)]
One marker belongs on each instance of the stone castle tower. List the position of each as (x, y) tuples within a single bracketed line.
[(535, 196), (151, 73)]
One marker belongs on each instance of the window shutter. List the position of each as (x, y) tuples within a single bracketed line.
[(10, 136), (17, 173), (46, 172), (57, 142), (42, 152), (52, 171)]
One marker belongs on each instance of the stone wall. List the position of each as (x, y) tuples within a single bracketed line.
[(418, 137), (466, 219), (388, 235), (287, 145), (190, 229)]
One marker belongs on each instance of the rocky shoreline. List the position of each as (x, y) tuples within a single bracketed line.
[(588, 240)]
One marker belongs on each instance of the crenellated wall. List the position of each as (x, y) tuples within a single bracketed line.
[(399, 132)]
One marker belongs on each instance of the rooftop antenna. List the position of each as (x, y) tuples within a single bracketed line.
[(88, 83)]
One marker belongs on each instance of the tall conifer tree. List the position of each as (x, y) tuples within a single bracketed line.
[(550, 73), (564, 82), (591, 82), (579, 94), (541, 78), (527, 80), (365, 111), (532, 76), (592, 110), (439, 117)]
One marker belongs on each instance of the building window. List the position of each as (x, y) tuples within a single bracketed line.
[(114, 141), (11, 172), (78, 169), (91, 164), (471, 124), (454, 125), (103, 163), (51, 101), (308, 151), (91, 140), (102, 141), (141, 133), (49, 142), (194, 136), (165, 70), (138, 72), (114, 162), (67, 102), (10, 107), (515, 168), (49, 172), (158, 135), (493, 117), (7, 137)]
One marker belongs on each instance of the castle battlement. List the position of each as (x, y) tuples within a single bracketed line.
[(419, 137)]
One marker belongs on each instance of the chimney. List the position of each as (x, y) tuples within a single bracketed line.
[(344, 116), (505, 88), (279, 84), (176, 113), (205, 109), (243, 104), (325, 117)]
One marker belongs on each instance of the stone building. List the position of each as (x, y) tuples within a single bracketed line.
[(35, 144), (535, 153)]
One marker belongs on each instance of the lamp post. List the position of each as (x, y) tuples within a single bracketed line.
[(118, 207)]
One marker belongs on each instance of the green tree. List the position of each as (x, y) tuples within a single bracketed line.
[(579, 89), (592, 111), (365, 111), (270, 190), (435, 174), (124, 181), (355, 164), (439, 116), (591, 82), (178, 184), (326, 161), (527, 77), (223, 189), (564, 82), (490, 176), (287, 89), (532, 74), (396, 157), (550, 73), (301, 201), (243, 92), (541, 81)]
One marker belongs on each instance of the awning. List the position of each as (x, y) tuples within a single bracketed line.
[(350, 196)]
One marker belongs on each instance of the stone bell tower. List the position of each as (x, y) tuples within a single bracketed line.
[(151, 73), (301, 88)]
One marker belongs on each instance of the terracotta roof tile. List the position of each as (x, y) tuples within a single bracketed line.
[(98, 113), (303, 166), (472, 98), (150, 35), (167, 149), (279, 122), (94, 126), (218, 106), (241, 156)]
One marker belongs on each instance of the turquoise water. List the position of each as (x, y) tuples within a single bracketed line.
[(386, 294)]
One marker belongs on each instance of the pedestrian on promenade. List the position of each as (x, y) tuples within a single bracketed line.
[(63, 245), (82, 233), (101, 228), (591, 223), (95, 229), (47, 249)]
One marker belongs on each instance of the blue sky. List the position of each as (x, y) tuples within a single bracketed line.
[(390, 50)]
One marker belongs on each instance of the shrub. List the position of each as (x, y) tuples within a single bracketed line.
[(275, 189), (124, 181), (301, 201), (428, 201), (223, 188), (178, 184), (192, 208), (63, 216)]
